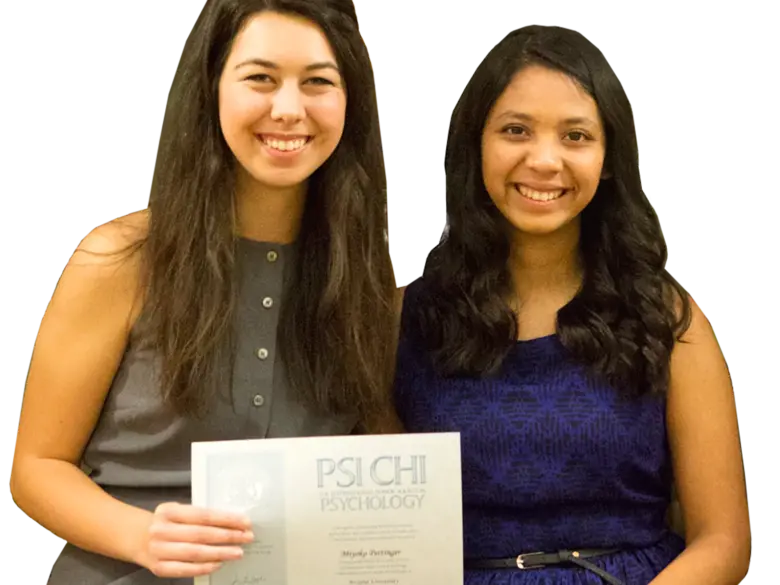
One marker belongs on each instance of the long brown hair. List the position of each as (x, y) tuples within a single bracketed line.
[(335, 326)]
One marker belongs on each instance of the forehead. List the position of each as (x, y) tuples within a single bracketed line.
[(281, 38), (545, 93)]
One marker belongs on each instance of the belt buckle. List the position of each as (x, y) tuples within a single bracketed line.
[(520, 561)]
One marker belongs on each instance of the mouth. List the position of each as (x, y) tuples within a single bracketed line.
[(280, 144), (540, 195)]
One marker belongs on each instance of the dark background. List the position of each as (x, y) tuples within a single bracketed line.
[(87, 97)]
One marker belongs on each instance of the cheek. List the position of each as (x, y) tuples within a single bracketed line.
[(588, 169), (497, 164), (329, 113), (239, 112)]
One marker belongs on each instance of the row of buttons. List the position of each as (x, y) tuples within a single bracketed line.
[(262, 354), (258, 400)]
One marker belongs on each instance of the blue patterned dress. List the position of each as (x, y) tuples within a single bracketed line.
[(551, 460)]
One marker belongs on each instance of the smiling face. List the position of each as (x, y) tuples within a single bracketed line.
[(543, 150), (282, 100)]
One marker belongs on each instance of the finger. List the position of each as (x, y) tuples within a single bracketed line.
[(177, 569), (196, 533), (194, 553), (186, 514)]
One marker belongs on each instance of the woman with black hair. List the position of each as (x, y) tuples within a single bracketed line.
[(545, 329)]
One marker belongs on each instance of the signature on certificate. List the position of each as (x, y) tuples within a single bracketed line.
[(247, 580)]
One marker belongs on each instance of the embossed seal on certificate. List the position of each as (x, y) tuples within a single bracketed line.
[(250, 484)]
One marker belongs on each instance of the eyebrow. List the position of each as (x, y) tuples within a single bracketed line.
[(272, 65), (528, 118)]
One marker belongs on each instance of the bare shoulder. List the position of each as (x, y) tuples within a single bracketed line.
[(112, 251), (695, 353), (699, 329), (105, 269), (116, 236)]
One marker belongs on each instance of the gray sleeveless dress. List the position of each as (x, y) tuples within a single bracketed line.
[(140, 451)]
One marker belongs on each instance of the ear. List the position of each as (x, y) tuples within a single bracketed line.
[(606, 173)]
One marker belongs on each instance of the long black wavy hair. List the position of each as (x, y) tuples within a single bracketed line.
[(629, 311)]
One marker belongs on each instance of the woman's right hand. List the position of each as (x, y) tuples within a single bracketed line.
[(186, 541)]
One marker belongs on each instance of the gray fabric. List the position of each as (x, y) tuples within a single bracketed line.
[(139, 451)]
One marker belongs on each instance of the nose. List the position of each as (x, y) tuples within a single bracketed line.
[(544, 156), (287, 104)]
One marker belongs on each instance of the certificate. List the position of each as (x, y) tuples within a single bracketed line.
[(356, 510)]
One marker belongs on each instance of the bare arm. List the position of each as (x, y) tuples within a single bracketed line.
[(77, 351), (80, 343), (704, 439)]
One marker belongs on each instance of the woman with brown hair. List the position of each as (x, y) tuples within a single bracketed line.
[(249, 300)]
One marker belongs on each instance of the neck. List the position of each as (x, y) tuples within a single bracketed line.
[(269, 214), (547, 264)]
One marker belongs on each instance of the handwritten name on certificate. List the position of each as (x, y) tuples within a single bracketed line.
[(357, 510)]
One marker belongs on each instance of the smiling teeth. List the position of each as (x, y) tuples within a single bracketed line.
[(539, 195), (285, 145)]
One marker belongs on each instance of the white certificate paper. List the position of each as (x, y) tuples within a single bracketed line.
[(356, 510)]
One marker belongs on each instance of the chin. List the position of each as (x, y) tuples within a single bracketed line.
[(535, 230), (540, 228), (281, 180)]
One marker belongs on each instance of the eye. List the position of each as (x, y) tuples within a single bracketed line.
[(578, 136), (260, 78), (514, 131), (319, 81)]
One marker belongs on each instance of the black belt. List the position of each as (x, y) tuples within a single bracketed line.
[(540, 559)]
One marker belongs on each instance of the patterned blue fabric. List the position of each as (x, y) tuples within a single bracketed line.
[(551, 459)]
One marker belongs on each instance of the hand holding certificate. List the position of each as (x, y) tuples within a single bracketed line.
[(358, 510), (180, 541)]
